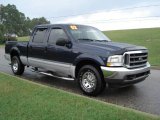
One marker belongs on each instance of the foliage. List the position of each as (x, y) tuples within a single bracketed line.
[(1, 34), (14, 22)]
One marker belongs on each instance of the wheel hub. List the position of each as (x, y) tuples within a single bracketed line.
[(15, 65), (88, 80)]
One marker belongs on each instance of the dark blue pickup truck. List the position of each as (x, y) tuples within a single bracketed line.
[(81, 53)]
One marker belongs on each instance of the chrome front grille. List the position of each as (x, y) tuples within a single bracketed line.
[(135, 59)]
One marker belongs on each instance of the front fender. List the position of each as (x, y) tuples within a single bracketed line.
[(93, 58)]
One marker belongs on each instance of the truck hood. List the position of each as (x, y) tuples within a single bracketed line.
[(113, 47)]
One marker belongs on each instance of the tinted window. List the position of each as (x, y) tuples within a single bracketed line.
[(39, 35), (56, 34)]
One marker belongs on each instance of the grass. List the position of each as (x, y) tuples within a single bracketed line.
[(149, 38), (24, 38), (1, 45), (23, 100)]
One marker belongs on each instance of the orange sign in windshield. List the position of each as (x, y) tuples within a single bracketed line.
[(73, 27)]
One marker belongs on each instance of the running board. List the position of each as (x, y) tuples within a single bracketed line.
[(49, 74)]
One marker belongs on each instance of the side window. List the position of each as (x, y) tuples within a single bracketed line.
[(56, 33), (39, 35)]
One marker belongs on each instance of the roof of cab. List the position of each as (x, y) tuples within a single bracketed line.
[(47, 25)]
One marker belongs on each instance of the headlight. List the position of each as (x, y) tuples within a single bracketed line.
[(116, 60)]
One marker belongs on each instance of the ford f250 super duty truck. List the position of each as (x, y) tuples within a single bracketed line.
[(81, 53)]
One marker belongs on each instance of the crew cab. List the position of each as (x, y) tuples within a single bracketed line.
[(82, 53)]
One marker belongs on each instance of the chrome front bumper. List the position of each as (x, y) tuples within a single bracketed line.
[(125, 75)]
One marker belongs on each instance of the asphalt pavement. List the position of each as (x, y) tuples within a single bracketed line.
[(144, 96)]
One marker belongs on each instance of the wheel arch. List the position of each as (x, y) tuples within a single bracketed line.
[(87, 61), (14, 52)]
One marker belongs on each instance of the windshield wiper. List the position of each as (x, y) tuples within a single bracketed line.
[(85, 39), (101, 41)]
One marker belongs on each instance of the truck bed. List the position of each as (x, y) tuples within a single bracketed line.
[(22, 47)]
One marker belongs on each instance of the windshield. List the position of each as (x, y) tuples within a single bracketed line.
[(87, 33)]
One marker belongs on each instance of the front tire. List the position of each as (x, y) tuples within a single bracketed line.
[(17, 66), (90, 80)]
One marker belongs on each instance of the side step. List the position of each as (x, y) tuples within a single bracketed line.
[(49, 74)]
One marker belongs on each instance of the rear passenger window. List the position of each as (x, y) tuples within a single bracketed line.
[(56, 33), (39, 35)]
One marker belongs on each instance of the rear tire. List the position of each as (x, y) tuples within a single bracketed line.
[(17, 66), (90, 80)]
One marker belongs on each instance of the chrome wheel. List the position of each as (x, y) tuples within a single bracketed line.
[(88, 81), (15, 65)]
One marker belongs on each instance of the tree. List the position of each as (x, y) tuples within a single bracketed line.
[(13, 21), (2, 29), (38, 21)]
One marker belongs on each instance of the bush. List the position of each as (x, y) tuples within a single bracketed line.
[(2, 40), (10, 38)]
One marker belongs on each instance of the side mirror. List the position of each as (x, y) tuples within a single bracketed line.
[(63, 42)]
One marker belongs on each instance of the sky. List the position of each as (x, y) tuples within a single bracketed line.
[(103, 14)]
